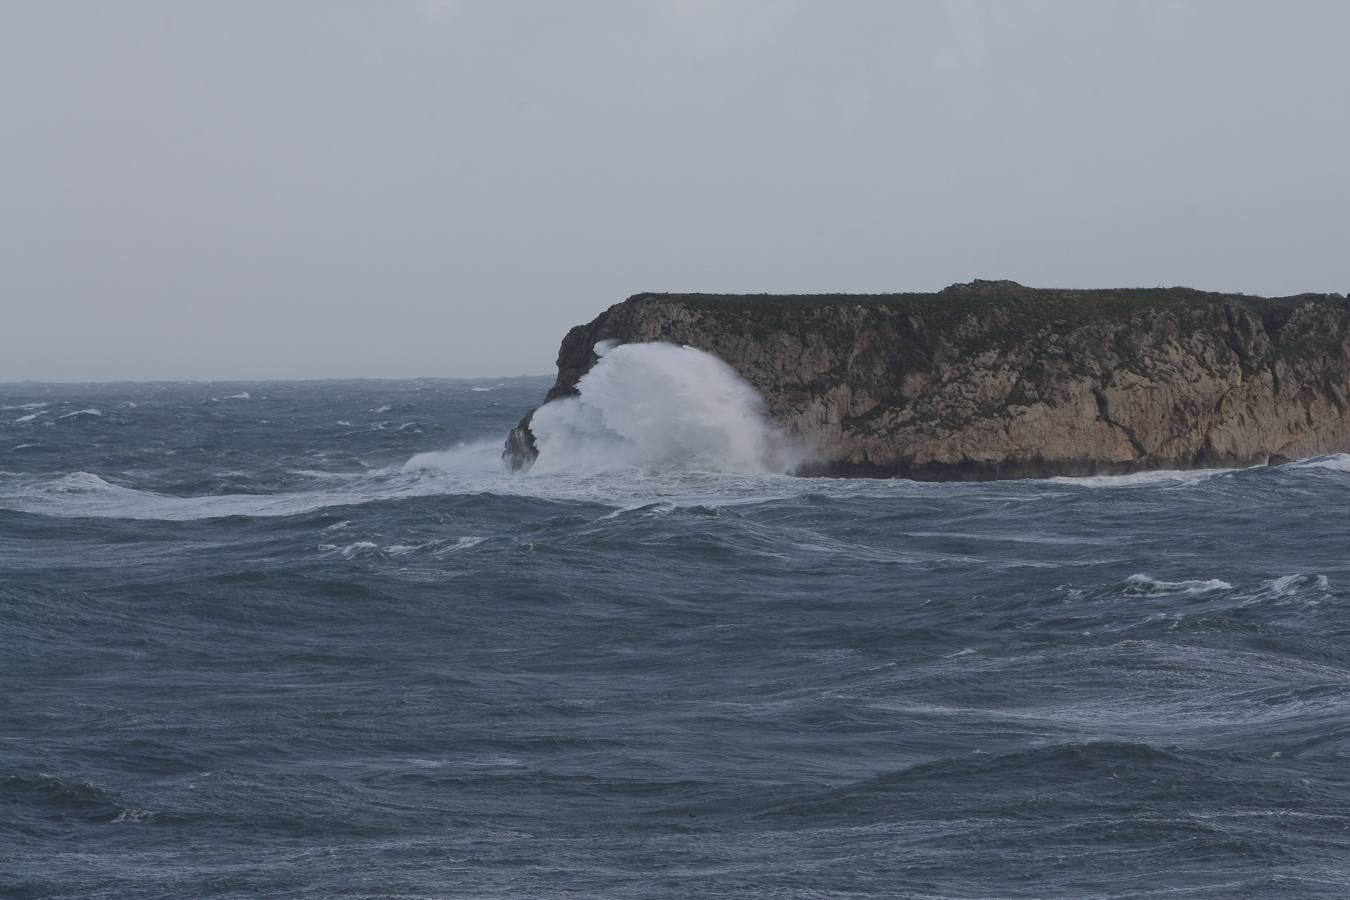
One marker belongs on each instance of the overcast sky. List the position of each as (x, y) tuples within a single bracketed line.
[(239, 189)]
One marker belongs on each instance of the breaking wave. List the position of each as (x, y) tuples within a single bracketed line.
[(658, 405), (1146, 586), (1336, 462)]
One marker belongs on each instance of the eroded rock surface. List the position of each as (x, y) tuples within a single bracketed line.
[(992, 379)]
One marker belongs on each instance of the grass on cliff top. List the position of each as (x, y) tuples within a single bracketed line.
[(978, 295)]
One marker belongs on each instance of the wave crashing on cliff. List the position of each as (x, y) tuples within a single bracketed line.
[(658, 405)]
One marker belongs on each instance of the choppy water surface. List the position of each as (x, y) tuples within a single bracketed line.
[(277, 640)]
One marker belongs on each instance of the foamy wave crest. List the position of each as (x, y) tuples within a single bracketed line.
[(1146, 586), (657, 405), (1290, 584), (481, 458), (1337, 462), (1157, 478), (1298, 589), (84, 494)]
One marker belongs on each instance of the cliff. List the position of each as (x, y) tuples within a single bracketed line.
[(992, 379)]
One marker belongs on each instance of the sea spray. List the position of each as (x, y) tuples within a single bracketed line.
[(658, 405), (481, 458)]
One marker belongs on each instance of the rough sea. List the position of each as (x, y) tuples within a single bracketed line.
[(309, 640)]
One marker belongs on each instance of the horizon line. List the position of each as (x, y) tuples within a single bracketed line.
[(4, 383)]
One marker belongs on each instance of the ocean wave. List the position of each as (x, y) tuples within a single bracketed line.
[(437, 549), (1299, 589), (1336, 462), (1296, 588), (51, 797), (475, 467), (352, 550), (1156, 478), (1102, 765), (86, 495), (1140, 585)]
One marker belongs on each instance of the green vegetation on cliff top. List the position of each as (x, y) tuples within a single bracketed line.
[(993, 311), (981, 294)]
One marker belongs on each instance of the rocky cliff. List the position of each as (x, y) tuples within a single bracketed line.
[(992, 379)]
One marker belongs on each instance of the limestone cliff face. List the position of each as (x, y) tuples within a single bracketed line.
[(992, 379)]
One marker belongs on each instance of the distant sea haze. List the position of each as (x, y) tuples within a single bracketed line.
[(314, 640)]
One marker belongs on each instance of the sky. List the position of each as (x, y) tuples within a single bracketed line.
[(303, 189)]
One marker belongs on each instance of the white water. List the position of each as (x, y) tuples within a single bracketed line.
[(475, 468), (1147, 586), (1337, 462), (657, 405)]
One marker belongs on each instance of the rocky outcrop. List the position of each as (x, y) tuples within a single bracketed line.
[(992, 379)]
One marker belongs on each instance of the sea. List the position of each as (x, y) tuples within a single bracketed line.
[(313, 639)]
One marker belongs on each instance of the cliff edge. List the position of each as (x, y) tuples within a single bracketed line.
[(995, 380)]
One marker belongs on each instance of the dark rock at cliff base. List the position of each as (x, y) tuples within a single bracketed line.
[(995, 380)]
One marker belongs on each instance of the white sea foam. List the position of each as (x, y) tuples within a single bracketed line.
[(1147, 586), (240, 396), (438, 549), (466, 469), (85, 494), (1297, 589), (81, 412), (1288, 585), (1161, 477), (1337, 462), (470, 469), (352, 550), (661, 406), (477, 468), (21, 420), (321, 475), (476, 460)]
